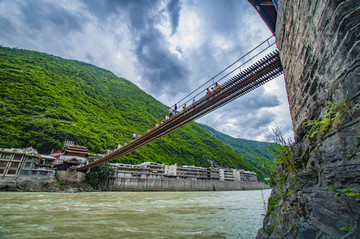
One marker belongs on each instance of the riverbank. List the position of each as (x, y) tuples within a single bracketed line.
[(139, 184), (127, 184), (57, 186)]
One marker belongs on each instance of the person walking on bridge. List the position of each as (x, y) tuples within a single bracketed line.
[(175, 107), (217, 86), (170, 112)]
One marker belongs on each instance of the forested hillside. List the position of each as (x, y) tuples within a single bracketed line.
[(256, 153), (45, 100)]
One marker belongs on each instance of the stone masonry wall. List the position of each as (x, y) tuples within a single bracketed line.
[(70, 176), (319, 48), (137, 184)]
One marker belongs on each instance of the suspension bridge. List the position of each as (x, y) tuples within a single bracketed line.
[(252, 77)]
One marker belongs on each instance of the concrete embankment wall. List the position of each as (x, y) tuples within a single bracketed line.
[(134, 184), (28, 179)]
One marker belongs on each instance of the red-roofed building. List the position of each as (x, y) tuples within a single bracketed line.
[(71, 157)]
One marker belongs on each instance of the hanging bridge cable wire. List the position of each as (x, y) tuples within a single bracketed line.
[(232, 64), (239, 67)]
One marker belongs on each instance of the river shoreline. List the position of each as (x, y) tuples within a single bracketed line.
[(49, 187), (131, 186)]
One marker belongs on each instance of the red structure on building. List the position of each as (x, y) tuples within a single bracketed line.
[(72, 157)]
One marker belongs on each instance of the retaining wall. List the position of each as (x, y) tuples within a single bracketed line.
[(134, 184), (28, 179), (71, 176)]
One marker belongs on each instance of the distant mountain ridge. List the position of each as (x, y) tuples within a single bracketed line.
[(45, 100), (256, 153)]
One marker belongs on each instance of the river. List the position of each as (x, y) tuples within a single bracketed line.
[(231, 214)]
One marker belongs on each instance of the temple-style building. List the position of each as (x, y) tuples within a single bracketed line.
[(71, 157)]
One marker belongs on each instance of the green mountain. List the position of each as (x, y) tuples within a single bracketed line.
[(45, 100), (258, 154)]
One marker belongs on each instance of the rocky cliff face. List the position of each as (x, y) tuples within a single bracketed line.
[(318, 187)]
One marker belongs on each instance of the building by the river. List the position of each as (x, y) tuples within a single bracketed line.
[(71, 157), (26, 162), (151, 170)]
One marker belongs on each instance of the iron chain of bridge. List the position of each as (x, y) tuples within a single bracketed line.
[(249, 79)]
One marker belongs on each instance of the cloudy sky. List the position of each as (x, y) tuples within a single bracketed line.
[(166, 47)]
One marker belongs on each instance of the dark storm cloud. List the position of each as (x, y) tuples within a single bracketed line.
[(263, 119), (222, 16), (38, 15), (257, 100), (159, 66), (40, 25), (7, 28), (160, 69), (104, 8), (139, 13), (89, 57), (174, 8)]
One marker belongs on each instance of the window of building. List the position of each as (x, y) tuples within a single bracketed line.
[(1, 171), (11, 171), (27, 164), (17, 157), (30, 158), (33, 172), (5, 156), (24, 172), (3, 163), (14, 164), (43, 173)]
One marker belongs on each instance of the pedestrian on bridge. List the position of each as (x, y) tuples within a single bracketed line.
[(208, 92), (134, 135), (217, 86), (170, 112), (184, 107), (175, 107)]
